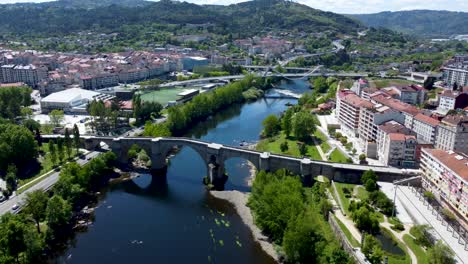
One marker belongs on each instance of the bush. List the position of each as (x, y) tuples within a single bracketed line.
[(398, 226), (344, 140), (338, 135), (284, 146), (429, 195), (448, 214), (421, 237)]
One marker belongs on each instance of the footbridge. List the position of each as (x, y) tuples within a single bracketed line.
[(214, 155)]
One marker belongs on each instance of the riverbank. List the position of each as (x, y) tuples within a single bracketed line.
[(239, 200)]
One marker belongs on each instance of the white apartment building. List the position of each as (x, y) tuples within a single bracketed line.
[(456, 75), (408, 111), (450, 100), (425, 128), (73, 100), (396, 145), (369, 120), (445, 173), (29, 74), (348, 107), (452, 134)]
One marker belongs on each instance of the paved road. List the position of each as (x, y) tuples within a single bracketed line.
[(45, 184)]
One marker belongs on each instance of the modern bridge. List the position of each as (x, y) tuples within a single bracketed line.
[(214, 156)]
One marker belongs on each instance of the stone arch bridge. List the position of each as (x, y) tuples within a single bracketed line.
[(214, 155)]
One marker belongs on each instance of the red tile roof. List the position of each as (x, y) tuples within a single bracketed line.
[(396, 104), (426, 119), (457, 162)]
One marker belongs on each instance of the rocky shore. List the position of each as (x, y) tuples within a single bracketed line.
[(239, 200)]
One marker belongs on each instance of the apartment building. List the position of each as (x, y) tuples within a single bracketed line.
[(396, 145), (450, 100), (456, 74), (407, 111), (29, 74), (425, 128), (99, 81), (369, 120), (452, 133), (348, 107), (445, 173)]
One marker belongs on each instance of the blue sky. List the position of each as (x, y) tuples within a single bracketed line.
[(349, 6)]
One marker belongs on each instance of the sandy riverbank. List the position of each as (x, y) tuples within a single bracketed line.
[(239, 200)]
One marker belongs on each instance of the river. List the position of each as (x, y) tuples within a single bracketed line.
[(173, 219)]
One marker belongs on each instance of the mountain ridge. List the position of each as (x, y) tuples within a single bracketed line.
[(425, 23)]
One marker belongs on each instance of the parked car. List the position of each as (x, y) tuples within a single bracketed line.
[(15, 207)]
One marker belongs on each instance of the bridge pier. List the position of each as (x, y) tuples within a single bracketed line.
[(158, 156), (217, 176), (307, 175)]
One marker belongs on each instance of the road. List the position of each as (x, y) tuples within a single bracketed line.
[(45, 184)]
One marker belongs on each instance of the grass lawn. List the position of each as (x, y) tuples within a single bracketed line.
[(46, 164), (362, 194), (347, 233), (417, 250), (338, 156), (345, 191), (382, 83), (273, 145), (323, 141)]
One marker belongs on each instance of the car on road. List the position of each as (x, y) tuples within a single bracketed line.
[(15, 207)]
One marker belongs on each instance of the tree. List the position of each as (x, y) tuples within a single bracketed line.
[(68, 143), (53, 153), (76, 138), (36, 204), (302, 148), (17, 146), (303, 239), (58, 212), (303, 125), (12, 230), (60, 149), (10, 178), (286, 122), (421, 236), (441, 254), (56, 117), (372, 249), (365, 219), (156, 130), (320, 85), (362, 157), (369, 179), (284, 146), (271, 126)]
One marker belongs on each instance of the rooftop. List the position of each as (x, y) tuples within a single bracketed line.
[(427, 119), (394, 127), (396, 104), (353, 99), (455, 120), (457, 162), (400, 137), (70, 95)]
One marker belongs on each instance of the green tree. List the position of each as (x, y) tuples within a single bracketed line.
[(303, 126), (10, 178), (53, 152), (441, 254), (284, 146), (76, 138), (12, 230), (320, 85), (60, 149), (286, 122), (36, 204), (68, 143), (302, 148), (17, 146), (372, 249), (271, 126), (369, 179), (303, 239), (156, 130), (421, 236), (365, 219), (58, 212), (56, 117)]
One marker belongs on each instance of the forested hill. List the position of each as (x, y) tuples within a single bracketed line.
[(425, 23), (49, 19)]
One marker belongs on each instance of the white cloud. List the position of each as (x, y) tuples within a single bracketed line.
[(347, 6)]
